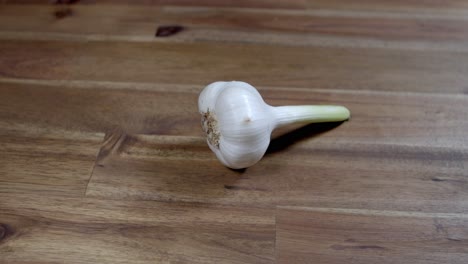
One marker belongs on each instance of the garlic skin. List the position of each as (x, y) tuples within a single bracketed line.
[(238, 123)]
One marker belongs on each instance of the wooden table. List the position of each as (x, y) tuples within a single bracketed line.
[(103, 159)]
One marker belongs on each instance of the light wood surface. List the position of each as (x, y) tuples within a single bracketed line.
[(104, 161)]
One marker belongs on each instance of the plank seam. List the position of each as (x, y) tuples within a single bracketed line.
[(96, 159)]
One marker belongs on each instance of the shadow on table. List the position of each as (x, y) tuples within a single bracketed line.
[(283, 141)]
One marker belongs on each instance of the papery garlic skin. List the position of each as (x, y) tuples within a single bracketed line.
[(244, 122), (238, 123)]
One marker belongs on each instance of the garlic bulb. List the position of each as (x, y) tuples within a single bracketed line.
[(238, 123)]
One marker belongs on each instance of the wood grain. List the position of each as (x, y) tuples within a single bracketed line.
[(371, 5), (360, 236), (38, 160), (43, 229), (311, 27), (432, 120), (283, 4), (102, 106), (202, 63), (104, 161), (398, 5), (319, 173)]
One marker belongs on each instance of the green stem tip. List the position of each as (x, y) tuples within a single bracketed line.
[(286, 115)]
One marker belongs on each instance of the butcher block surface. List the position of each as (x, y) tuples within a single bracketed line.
[(103, 159)]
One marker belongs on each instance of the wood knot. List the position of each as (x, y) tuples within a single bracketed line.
[(66, 2), (166, 31), (62, 13), (6, 231)]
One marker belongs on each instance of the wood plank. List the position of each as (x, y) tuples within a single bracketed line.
[(101, 106), (202, 63), (437, 31), (321, 171), (69, 230), (362, 236), (409, 119), (163, 109), (370, 5), (46, 161), (105, 162), (397, 5), (142, 21), (276, 4)]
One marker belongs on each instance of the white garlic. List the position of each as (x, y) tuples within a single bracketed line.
[(238, 123)]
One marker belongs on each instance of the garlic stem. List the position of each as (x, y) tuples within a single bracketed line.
[(287, 115)]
